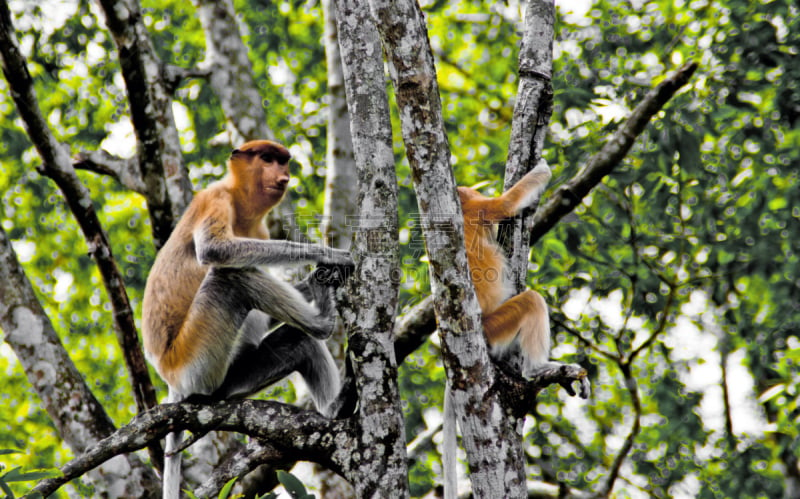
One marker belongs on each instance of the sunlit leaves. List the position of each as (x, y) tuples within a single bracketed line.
[(706, 204), (686, 253)]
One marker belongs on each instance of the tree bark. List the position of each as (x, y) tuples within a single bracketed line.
[(380, 469), (168, 190), (341, 191), (532, 110), (230, 73), (301, 435), (77, 415), (494, 464), (340, 181)]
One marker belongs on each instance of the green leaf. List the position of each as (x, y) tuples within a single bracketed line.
[(6, 489), (293, 485), (225, 492), (15, 475)]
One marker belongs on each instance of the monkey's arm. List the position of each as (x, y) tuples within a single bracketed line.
[(523, 194), (216, 245), (245, 252)]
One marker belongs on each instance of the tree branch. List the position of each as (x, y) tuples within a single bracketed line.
[(570, 194), (175, 75), (519, 395), (77, 415), (256, 454), (627, 445), (125, 171), (284, 426), (58, 166), (167, 187), (413, 328)]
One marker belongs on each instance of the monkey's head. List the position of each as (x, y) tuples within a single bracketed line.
[(261, 169)]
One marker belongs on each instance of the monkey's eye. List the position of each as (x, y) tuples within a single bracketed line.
[(267, 157)]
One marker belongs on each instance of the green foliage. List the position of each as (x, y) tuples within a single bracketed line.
[(677, 277), (224, 492), (293, 486), (16, 475)]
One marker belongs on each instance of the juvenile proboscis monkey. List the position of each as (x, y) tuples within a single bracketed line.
[(208, 302), (508, 320), (522, 318)]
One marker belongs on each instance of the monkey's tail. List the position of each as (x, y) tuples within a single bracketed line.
[(171, 486), (322, 377), (449, 445)]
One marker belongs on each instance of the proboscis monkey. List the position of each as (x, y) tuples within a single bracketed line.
[(208, 302), (508, 320)]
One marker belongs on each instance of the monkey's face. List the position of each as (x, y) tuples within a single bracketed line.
[(261, 169), (270, 177)]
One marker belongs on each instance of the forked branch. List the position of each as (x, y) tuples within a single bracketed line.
[(283, 425)]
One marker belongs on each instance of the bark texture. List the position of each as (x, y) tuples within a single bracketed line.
[(230, 73), (379, 470), (341, 185), (77, 415), (494, 463), (532, 110), (301, 435), (339, 218), (167, 188)]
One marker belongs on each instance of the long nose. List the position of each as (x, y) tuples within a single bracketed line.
[(283, 179)]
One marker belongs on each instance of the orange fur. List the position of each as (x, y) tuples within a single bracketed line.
[(208, 303), (232, 207), (523, 317)]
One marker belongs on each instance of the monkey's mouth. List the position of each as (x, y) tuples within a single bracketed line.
[(275, 188)]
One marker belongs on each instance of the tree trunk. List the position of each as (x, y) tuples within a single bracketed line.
[(532, 110), (230, 73), (380, 469), (494, 457), (167, 187), (340, 181), (77, 415)]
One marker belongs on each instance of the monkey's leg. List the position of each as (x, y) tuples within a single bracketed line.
[(282, 352), (215, 328), (259, 290), (526, 315)]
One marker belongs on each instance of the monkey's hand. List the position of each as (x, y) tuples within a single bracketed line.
[(318, 283), (542, 169), (333, 256), (584, 387), (327, 274)]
